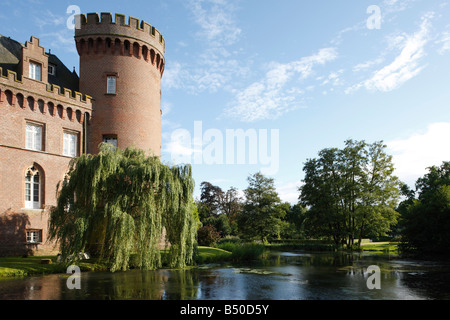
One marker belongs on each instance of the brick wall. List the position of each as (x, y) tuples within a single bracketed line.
[(21, 104)]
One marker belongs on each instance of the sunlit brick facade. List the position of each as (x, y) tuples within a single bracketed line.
[(49, 115)]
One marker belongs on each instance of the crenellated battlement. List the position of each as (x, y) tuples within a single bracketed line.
[(103, 25), (40, 89)]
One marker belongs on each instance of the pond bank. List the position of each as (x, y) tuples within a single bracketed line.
[(32, 265), (231, 252), (297, 275)]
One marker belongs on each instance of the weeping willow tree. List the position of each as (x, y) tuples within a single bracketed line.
[(120, 202)]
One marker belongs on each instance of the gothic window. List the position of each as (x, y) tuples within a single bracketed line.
[(33, 183)]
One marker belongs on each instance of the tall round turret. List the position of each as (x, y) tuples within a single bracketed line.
[(121, 66)]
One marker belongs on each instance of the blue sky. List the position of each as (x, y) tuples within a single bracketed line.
[(315, 72)]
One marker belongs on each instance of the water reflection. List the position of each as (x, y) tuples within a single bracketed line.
[(282, 276)]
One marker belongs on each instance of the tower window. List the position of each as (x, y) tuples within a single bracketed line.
[(35, 71), (111, 139), (34, 136), (111, 85), (32, 189)]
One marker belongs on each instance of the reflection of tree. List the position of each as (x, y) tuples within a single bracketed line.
[(181, 285), (151, 285)]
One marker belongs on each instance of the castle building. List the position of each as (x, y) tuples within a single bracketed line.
[(50, 115)]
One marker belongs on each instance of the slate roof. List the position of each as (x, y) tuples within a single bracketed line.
[(10, 54)]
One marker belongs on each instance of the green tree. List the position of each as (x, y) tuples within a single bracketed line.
[(221, 224), (261, 214), (426, 220), (119, 202), (211, 198), (207, 236), (351, 193), (294, 218)]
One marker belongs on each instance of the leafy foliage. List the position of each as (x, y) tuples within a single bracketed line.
[(120, 202), (426, 220), (207, 236), (351, 192), (262, 211)]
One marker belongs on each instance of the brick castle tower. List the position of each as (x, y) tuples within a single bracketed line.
[(121, 65)]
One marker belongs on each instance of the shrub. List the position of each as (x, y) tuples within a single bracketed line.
[(207, 236)]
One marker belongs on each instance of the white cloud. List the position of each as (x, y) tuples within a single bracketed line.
[(367, 65), (444, 41), (405, 66), (411, 156), (289, 192), (271, 97)]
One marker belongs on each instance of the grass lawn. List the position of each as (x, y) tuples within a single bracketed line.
[(380, 247), (18, 266), (209, 255), (22, 267)]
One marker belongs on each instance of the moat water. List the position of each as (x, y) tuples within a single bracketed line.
[(282, 276)]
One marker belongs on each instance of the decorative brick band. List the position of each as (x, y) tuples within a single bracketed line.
[(46, 98)]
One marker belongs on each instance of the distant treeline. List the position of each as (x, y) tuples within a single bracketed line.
[(346, 195)]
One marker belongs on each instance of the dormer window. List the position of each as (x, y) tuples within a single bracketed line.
[(35, 71), (51, 69)]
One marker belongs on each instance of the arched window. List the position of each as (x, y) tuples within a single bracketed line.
[(30, 101), (51, 108), (145, 53), (127, 49), (69, 113), (41, 106), (9, 97), (136, 50), (33, 182), (20, 99)]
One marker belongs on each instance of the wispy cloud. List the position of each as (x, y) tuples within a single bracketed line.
[(393, 6), (444, 43), (215, 65), (216, 21), (48, 18), (405, 66), (275, 95)]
